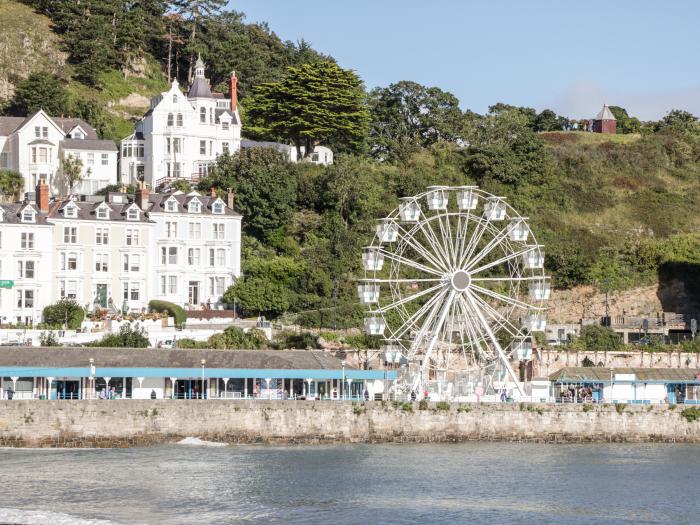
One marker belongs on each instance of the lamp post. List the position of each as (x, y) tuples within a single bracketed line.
[(342, 382), (91, 381), (204, 362)]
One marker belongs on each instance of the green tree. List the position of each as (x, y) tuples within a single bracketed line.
[(625, 123), (547, 120), (407, 116), (72, 171), (313, 103), (195, 12), (235, 338), (679, 120), (128, 337), (48, 339), (11, 183), (66, 313), (39, 91), (595, 337)]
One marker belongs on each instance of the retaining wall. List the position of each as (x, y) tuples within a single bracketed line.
[(121, 423)]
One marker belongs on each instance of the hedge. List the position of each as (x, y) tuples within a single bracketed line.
[(170, 308)]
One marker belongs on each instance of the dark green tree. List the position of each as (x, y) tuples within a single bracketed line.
[(547, 120), (679, 120), (11, 183), (625, 123), (596, 337), (314, 103), (39, 91), (195, 13), (128, 337), (66, 313)]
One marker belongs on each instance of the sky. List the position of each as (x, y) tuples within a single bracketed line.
[(569, 56)]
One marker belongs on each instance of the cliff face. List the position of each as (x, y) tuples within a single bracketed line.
[(27, 45)]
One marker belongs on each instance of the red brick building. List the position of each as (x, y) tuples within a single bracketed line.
[(605, 121)]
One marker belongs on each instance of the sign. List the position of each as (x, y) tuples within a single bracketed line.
[(6, 284)]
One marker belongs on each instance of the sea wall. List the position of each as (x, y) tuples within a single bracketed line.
[(121, 423)]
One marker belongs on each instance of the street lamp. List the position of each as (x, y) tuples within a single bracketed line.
[(342, 382), (204, 362), (91, 381)]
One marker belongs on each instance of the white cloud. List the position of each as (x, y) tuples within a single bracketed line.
[(584, 100)]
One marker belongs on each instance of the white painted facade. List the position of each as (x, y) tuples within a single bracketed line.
[(181, 135), (34, 145), (322, 155)]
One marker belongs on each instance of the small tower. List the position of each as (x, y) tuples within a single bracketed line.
[(605, 121), (199, 67)]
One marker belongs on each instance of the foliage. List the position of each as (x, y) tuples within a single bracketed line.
[(442, 405), (11, 183), (594, 337), (72, 170), (691, 414), (129, 189), (128, 337), (302, 340), (65, 312), (423, 404), (620, 407), (169, 308), (314, 103), (235, 338), (48, 339), (39, 91), (407, 407), (625, 123)]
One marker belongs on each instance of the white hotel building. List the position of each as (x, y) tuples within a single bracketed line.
[(181, 135), (117, 252)]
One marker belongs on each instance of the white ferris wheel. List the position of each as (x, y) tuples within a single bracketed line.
[(455, 284)]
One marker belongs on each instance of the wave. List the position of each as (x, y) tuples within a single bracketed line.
[(196, 442), (45, 517)]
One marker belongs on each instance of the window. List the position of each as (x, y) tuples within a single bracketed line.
[(177, 145), (168, 284), (101, 262), (33, 155), (176, 169), (221, 257), (170, 120), (132, 237), (27, 216), (91, 159), (218, 229), (216, 285), (140, 150), (25, 269), (68, 289), (45, 132), (224, 148), (224, 126), (102, 213), (212, 254), (132, 214), (37, 131), (179, 120), (70, 235), (132, 291), (105, 159), (174, 98), (43, 155), (194, 207), (168, 255), (167, 144), (4, 160), (171, 230), (27, 241), (71, 261), (218, 208), (171, 205), (132, 262), (102, 236), (195, 230), (203, 115), (25, 298), (193, 256), (211, 147), (70, 211), (202, 147)]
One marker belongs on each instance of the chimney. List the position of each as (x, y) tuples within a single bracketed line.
[(212, 192), (229, 198), (142, 196), (42, 195), (234, 91)]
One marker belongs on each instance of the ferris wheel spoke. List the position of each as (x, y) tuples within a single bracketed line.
[(506, 279), (477, 234), (426, 227), (409, 262), (507, 258), (476, 334), (410, 239), (502, 320), (408, 299), (491, 245), (504, 298), (411, 322), (446, 231)]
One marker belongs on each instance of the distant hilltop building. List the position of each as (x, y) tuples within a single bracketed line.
[(34, 146), (181, 136), (321, 154), (605, 121)]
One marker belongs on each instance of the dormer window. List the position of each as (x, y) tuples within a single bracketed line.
[(171, 205), (174, 98), (195, 207), (224, 125), (78, 135), (132, 214), (28, 216), (218, 208), (70, 212), (170, 120), (103, 213)]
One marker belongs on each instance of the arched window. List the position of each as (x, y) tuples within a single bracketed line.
[(179, 120), (170, 119), (203, 115), (174, 98)]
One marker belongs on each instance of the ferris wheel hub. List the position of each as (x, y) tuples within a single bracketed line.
[(461, 280)]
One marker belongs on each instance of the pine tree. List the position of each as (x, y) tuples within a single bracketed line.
[(195, 12), (39, 91)]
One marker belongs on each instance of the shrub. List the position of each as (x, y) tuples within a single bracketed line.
[(235, 338), (672, 406), (691, 414), (587, 408), (48, 339), (190, 343), (442, 405), (423, 404), (171, 309), (303, 340), (407, 407), (619, 408), (128, 337), (65, 312)]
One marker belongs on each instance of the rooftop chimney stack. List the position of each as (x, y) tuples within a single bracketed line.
[(234, 91), (212, 192), (42, 195), (229, 198), (142, 194)]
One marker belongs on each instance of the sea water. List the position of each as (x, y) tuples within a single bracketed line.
[(489, 483)]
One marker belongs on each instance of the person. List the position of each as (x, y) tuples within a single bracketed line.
[(503, 395), (10, 393), (366, 395), (153, 394), (413, 395)]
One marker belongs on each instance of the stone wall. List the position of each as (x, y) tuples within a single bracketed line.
[(117, 423)]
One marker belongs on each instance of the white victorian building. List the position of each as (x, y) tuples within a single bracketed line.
[(34, 146), (181, 135)]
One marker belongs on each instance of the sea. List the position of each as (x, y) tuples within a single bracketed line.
[(476, 483)]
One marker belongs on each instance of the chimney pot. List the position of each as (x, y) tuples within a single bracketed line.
[(229, 198), (234, 91), (42, 196), (212, 192), (142, 194)]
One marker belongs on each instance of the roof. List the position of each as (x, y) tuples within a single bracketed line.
[(9, 125), (246, 143), (605, 114), (87, 211), (200, 88), (602, 374), (12, 212), (157, 201), (89, 144)]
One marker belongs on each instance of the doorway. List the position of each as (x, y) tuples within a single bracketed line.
[(101, 295), (194, 293), (68, 389)]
